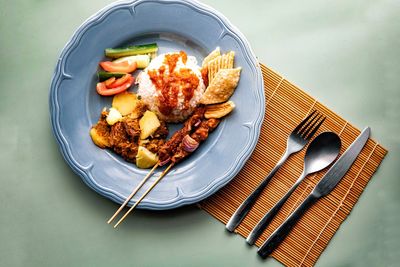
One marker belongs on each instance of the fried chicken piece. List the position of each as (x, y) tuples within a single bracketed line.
[(132, 129), (118, 134), (121, 143), (128, 151), (154, 145), (162, 131)]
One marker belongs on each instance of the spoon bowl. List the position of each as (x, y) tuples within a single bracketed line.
[(321, 152)]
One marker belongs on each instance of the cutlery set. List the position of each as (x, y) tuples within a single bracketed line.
[(320, 153)]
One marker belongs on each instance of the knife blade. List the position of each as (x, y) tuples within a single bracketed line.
[(324, 187), (342, 165)]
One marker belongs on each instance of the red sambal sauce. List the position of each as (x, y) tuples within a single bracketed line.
[(169, 82)]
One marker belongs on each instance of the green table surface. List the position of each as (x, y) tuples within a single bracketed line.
[(344, 53)]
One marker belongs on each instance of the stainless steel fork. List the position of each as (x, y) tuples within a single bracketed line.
[(297, 140)]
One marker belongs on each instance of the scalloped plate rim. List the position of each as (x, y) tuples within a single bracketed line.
[(84, 172)]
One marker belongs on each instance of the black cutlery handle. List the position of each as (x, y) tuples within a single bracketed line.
[(266, 220), (246, 206), (280, 234)]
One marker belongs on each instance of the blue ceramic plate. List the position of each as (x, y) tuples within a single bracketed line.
[(173, 25)]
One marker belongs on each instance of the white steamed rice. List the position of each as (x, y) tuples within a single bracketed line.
[(149, 93)]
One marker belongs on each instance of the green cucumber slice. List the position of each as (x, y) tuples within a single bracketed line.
[(131, 50)]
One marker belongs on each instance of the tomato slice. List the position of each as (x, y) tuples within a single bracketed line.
[(124, 66), (119, 81), (103, 90), (110, 81)]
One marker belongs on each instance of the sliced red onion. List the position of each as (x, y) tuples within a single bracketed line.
[(189, 144), (197, 123), (162, 163)]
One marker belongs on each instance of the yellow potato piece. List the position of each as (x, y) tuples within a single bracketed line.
[(113, 116), (149, 123), (139, 109), (125, 102), (222, 86), (145, 158), (99, 140)]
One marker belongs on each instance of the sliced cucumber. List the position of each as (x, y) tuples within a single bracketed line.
[(131, 50), (141, 60), (104, 75), (152, 55)]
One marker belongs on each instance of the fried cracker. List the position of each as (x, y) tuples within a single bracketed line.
[(221, 87), (220, 62), (211, 56)]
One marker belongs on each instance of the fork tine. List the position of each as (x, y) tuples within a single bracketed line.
[(303, 122), (314, 127), (310, 122), (306, 129)]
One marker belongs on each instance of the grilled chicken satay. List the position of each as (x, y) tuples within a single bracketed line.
[(191, 142), (168, 149)]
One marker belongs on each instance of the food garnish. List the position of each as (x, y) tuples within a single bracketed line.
[(123, 66), (104, 75), (110, 81), (189, 144), (131, 50), (117, 82), (142, 61), (103, 90)]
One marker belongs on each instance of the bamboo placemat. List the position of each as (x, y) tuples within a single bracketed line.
[(286, 106)]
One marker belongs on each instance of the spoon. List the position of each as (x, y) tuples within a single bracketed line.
[(321, 152)]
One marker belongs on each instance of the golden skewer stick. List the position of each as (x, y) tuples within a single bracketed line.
[(145, 193), (133, 193)]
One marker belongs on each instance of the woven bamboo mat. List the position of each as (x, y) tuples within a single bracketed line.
[(286, 106)]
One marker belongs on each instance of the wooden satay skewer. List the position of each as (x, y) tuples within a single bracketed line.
[(133, 192), (145, 193)]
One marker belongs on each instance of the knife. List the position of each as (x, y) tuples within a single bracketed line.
[(324, 187)]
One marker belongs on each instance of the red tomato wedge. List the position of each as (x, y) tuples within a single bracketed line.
[(124, 66), (103, 90), (119, 81), (109, 82)]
